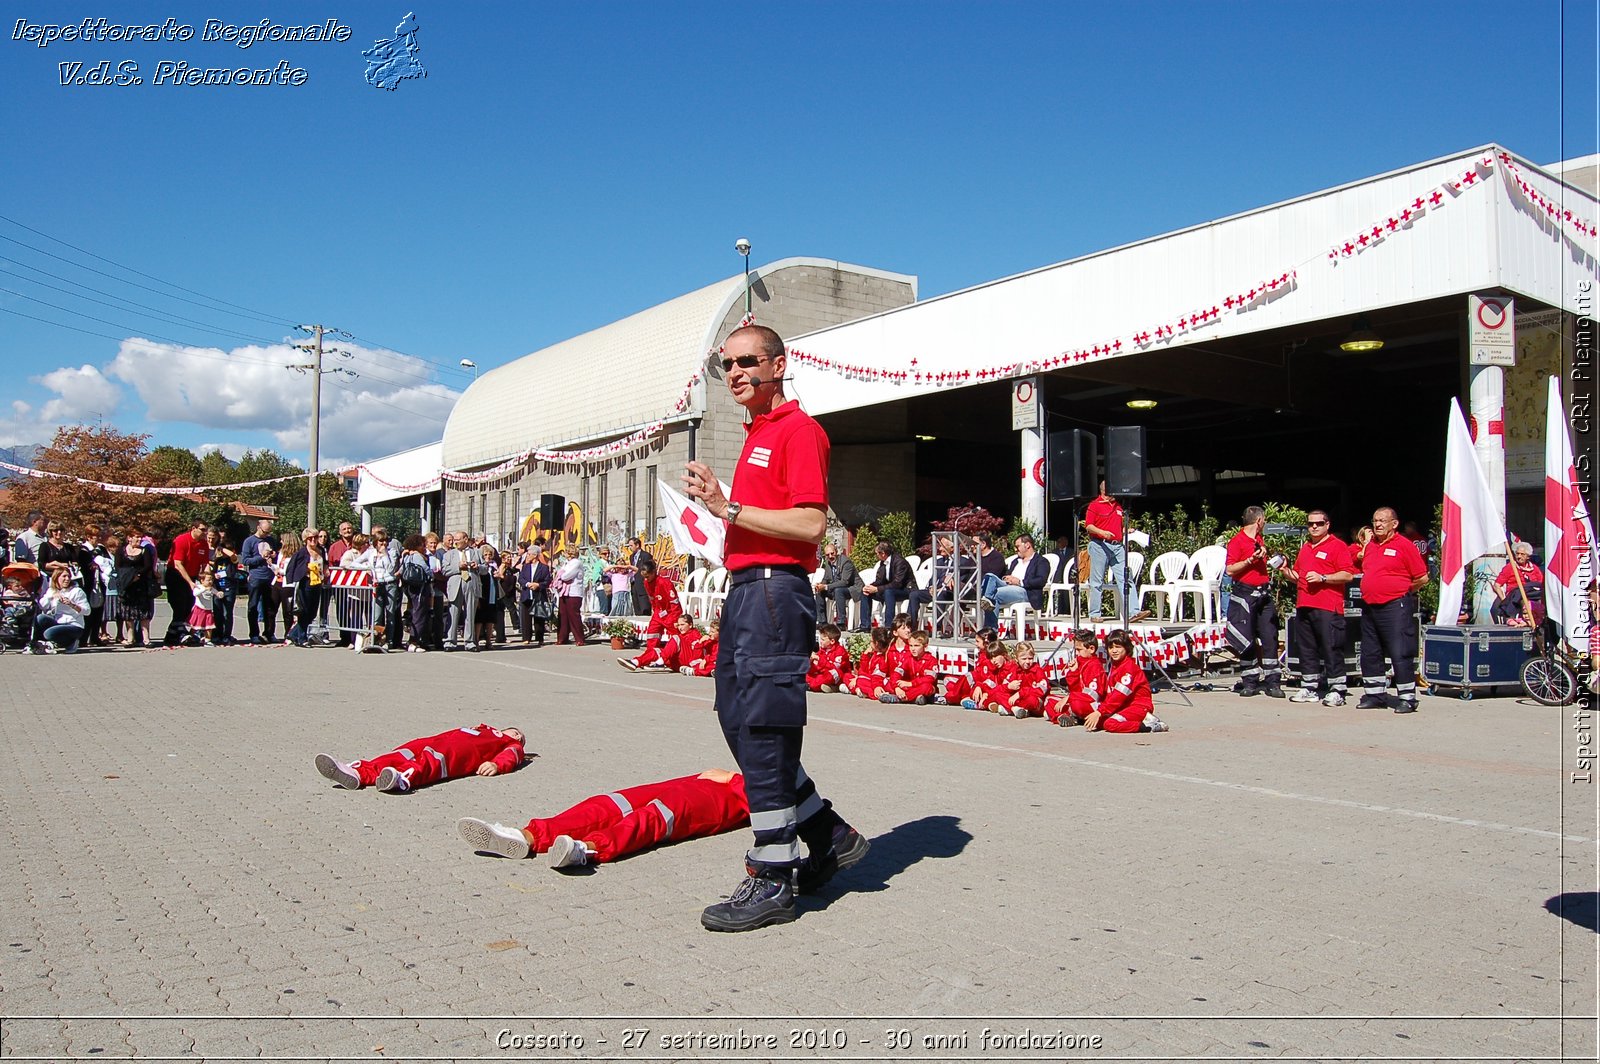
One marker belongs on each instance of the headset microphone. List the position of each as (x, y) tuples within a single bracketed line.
[(756, 382)]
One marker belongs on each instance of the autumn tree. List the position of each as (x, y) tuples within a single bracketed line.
[(100, 454)]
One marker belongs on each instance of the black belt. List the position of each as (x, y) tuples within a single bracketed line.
[(767, 572)]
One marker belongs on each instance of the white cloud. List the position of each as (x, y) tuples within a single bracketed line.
[(81, 395), (390, 405), (231, 451)]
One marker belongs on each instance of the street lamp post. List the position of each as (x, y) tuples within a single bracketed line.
[(467, 363), (742, 246)]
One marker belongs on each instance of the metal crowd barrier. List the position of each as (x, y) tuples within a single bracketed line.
[(352, 609)]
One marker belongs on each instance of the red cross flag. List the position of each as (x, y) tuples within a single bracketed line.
[(694, 530), (1569, 548), (1471, 523)]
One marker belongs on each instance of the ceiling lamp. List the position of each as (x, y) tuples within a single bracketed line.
[(1362, 339), (1141, 401)]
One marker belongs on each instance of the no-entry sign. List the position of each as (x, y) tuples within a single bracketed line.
[(1492, 330)]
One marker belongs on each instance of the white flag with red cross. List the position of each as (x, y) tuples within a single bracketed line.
[(1470, 526), (694, 530), (1569, 547)]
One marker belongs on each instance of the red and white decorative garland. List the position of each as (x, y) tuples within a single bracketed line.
[(1553, 211)]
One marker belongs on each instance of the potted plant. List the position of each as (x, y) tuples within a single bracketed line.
[(621, 632)]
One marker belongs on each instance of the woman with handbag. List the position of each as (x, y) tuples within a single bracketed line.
[(533, 582)]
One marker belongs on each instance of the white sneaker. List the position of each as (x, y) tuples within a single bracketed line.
[(1154, 723), (629, 664), (1018, 712), (338, 772), (493, 838), (568, 852), (1304, 695), (1333, 698), (687, 670), (390, 779)]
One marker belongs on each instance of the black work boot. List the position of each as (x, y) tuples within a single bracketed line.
[(765, 897), (847, 847)]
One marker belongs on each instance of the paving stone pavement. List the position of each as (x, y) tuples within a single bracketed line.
[(1266, 880)]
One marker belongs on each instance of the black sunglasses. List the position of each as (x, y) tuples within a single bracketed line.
[(1315, 524), (743, 362)]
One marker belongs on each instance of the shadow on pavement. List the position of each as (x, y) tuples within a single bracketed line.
[(1581, 907), (895, 851)]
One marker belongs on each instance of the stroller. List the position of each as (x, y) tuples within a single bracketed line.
[(18, 605)]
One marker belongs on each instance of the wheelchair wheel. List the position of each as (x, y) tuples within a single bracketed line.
[(1549, 682)]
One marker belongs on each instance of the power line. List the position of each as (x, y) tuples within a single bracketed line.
[(381, 402), (153, 311), (130, 269)]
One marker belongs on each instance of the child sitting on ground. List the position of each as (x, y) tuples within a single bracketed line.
[(479, 750), (912, 678), (873, 668), (830, 662), (667, 655), (1127, 706), (701, 657), (1086, 683), (958, 689), (1003, 670), (1023, 695)]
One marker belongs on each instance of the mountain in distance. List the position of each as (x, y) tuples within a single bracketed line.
[(23, 454)]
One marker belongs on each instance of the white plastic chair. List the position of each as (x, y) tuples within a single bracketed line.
[(1203, 583), (1168, 569), (1019, 611), (692, 593), (715, 593)]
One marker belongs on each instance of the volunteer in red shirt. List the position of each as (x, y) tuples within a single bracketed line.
[(1104, 521), (777, 510), (1321, 572), (190, 555), (1391, 573), (1252, 629)]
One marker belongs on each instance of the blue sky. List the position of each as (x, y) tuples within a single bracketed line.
[(564, 165)]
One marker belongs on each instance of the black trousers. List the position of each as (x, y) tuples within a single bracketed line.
[(768, 633), (1253, 626), (1319, 639), (1389, 629), (180, 596)]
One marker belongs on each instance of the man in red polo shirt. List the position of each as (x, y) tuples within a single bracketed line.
[(1252, 629), (777, 511), (1391, 573), (1103, 521), (190, 555), (1320, 573)]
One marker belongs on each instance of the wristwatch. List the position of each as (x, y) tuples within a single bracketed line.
[(732, 512)]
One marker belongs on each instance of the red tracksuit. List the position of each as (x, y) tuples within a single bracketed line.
[(1127, 699), (830, 667), (458, 752), (870, 674), (996, 690), (917, 673), (703, 658), (637, 818), (1030, 696), (1086, 685), (670, 651), (665, 609), (957, 688)]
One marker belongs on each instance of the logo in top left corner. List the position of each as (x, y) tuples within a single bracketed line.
[(389, 62)]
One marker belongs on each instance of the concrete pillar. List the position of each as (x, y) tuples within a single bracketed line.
[(1033, 491), (1487, 395)]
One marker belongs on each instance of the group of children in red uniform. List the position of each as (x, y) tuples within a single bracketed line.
[(1109, 696), (684, 649)]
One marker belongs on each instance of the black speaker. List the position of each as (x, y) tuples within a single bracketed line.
[(1074, 459), (552, 512), (1125, 460)]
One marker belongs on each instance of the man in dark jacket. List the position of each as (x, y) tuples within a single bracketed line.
[(1026, 580), (891, 582), (837, 585)]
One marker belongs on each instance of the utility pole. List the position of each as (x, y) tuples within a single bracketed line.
[(314, 367)]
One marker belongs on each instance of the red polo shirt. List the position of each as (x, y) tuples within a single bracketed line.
[(1327, 557), (1241, 547), (1106, 515), (1388, 568), (193, 553), (784, 464)]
